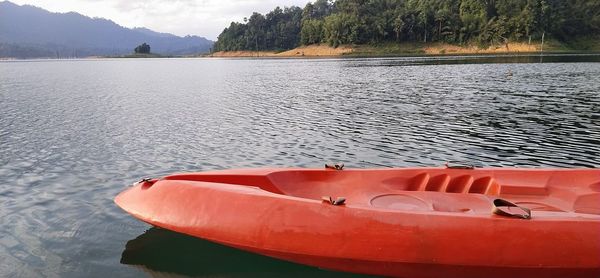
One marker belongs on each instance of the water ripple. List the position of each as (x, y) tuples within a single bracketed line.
[(74, 133)]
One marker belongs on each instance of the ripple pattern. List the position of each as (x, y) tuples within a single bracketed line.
[(74, 133)]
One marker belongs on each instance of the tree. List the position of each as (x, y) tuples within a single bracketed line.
[(340, 29), (474, 17), (143, 48), (484, 22), (398, 26), (312, 31)]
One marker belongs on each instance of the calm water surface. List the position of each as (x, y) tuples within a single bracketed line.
[(73, 134)]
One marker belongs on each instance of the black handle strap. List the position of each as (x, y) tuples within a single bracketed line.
[(339, 201), (503, 208), (335, 166), (458, 165)]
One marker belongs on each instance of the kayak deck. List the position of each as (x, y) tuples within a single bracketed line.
[(557, 191), (412, 222)]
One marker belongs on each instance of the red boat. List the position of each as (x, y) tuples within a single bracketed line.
[(410, 222)]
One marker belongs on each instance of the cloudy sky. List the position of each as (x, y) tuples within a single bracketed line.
[(205, 18)]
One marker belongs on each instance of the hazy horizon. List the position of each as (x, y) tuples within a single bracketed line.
[(205, 18)]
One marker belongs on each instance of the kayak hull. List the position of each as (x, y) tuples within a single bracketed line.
[(394, 222)]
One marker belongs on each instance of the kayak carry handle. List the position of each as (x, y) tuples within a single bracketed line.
[(457, 165), (502, 207), (339, 201), (146, 182), (335, 166)]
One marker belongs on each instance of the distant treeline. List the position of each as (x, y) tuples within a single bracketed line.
[(482, 22)]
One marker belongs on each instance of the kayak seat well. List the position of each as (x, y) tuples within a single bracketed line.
[(589, 204), (458, 191), (362, 186)]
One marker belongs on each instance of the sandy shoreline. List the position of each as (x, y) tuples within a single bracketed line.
[(392, 49), (443, 48), (302, 51)]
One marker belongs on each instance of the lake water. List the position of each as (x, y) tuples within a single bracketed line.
[(73, 134)]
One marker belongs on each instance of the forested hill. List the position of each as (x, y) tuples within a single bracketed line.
[(482, 22)]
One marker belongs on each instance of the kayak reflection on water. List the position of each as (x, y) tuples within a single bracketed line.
[(158, 251)]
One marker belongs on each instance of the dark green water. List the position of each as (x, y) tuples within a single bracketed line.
[(73, 134)]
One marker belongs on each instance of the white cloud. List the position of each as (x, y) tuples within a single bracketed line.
[(205, 18)]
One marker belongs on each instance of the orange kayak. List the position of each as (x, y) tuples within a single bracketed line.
[(406, 222)]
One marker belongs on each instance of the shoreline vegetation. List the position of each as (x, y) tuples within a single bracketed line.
[(414, 28)]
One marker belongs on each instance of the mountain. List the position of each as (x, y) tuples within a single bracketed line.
[(153, 33), (30, 32)]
